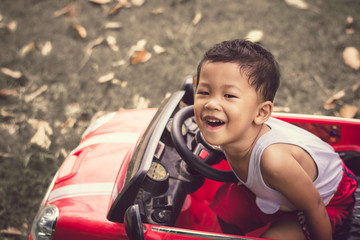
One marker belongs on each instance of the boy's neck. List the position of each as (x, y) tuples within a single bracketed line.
[(240, 152), (239, 156)]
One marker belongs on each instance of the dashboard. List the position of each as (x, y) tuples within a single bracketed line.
[(158, 180)]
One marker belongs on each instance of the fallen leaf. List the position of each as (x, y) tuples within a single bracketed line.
[(300, 4), (197, 18), (69, 123), (349, 25), (158, 49), (41, 137), (10, 128), (157, 11), (95, 42), (69, 9), (32, 96), (62, 153), (25, 226), (113, 25), (12, 26), (33, 122), (11, 73), (5, 155), (339, 95), (330, 103), (115, 9), (116, 81), (88, 50), (140, 102), (138, 47), (111, 41), (138, 2), (100, 2), (11, 231), (355, 87), (27, 48), (118, 63), (8, 92), (46, 48), (125, 2), (118, 6), (73, 110), (6, 114), (107, 77), (80, 30), (123, 84), (142, 57), (351, 57), (255, 36), (348, 111)]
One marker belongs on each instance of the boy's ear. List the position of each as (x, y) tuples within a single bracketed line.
[(264, 112)]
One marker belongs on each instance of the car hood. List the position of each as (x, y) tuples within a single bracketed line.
[(93, 174)]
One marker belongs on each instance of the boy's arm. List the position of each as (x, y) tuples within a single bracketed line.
[(283, 173)]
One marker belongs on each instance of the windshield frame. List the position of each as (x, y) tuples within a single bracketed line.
[(142, 157)]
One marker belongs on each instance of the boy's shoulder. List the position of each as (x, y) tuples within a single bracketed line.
[(277, 157), (276, 153), (278, 163)]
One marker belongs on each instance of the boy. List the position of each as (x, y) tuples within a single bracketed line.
[(291, 182)]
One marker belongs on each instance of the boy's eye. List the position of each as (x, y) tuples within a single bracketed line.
[(229, 96), (202, 93)]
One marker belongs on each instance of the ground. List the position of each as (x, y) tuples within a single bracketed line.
[(55, 78)]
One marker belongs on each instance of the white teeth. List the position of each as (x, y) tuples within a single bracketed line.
[(214, 121)]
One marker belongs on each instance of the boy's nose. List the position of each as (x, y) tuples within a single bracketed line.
[(212, 105)]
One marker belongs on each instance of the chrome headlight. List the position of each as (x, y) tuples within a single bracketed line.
[(43, 227)]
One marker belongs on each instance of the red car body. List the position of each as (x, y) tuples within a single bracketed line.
[(85, 190)]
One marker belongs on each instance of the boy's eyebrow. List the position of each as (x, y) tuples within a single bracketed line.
[(204, 84), (227, 86), (223, 86)]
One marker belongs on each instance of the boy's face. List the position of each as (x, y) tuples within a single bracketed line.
[(225, 104)]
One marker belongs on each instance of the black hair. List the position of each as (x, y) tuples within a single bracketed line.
[(259, 64)]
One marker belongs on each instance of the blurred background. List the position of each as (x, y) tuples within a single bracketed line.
[(63, 63)]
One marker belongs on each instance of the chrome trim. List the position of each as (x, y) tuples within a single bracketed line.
[(196, 233), (317, 117)]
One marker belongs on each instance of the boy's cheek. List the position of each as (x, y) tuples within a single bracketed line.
[(197, 118), (196, 112)]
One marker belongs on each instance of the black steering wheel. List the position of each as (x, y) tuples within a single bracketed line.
[(188, 156)]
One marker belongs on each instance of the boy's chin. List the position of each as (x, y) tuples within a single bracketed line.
[(213, 144)]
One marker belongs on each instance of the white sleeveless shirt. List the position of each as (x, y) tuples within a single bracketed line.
[(328, 162)]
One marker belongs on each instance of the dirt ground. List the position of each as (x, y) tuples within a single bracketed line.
[(54, 78)]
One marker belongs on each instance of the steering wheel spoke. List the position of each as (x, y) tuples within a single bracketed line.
[(206, 152)]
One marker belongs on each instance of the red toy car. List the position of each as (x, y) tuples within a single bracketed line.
[(147, 174)]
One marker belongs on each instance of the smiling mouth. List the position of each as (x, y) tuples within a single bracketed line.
[(214, 122)]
